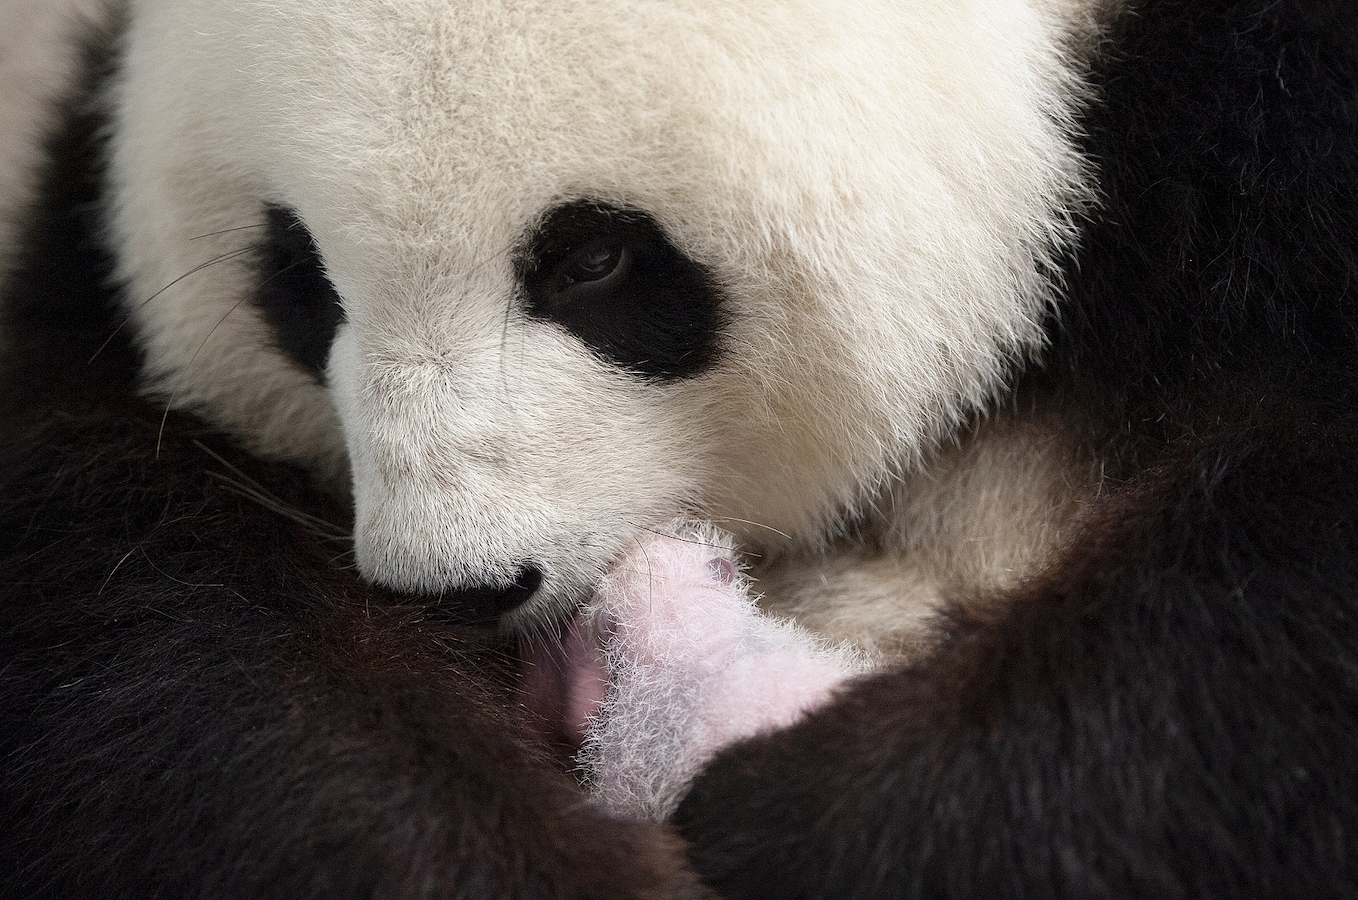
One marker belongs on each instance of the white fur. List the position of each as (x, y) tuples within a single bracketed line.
[(878, 186)]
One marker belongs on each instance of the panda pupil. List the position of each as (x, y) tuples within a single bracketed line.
[(596, 261)]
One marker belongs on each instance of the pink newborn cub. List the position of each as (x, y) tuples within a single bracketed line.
[(674, 661)]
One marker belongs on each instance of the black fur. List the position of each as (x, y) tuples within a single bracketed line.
[(59, 295), (658, 313), (197, 696), (294, 292), (1172, 710), (199, 702)]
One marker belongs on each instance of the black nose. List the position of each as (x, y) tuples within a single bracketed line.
[(493, 602)]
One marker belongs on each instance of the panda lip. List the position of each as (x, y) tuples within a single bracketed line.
[(564, 680)]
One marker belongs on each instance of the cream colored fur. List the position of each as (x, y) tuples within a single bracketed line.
[(878, 186), (989, 509)]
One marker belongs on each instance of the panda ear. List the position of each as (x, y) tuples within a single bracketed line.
[(293, 291), (614, 280)]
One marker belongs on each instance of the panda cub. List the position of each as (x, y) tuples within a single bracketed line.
[(682, 449)]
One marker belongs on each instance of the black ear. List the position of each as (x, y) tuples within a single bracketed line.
[(296, 296), (613, 279), (62, 321)]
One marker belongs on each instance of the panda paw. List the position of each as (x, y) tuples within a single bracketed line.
[(674, 661)]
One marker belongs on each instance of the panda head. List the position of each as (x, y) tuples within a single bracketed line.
[(539, 276)]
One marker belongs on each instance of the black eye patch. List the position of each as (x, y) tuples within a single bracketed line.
[(611, 278), (294, 293)]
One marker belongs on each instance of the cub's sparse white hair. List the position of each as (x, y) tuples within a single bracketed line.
[(878, 188)]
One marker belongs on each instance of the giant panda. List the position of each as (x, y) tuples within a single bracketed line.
[(349, 345)]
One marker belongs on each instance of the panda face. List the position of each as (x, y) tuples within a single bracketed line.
[(540, 276)]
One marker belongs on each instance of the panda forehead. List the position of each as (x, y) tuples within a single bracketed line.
[(458, 124), (859, 176)]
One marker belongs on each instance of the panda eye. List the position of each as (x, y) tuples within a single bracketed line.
[(614, 280)]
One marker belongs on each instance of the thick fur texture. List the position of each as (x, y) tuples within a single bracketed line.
[(1023, 341), (200, 703)]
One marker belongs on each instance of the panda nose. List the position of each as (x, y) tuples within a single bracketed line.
[(493, 602)]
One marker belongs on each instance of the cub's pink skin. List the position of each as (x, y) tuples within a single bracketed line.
[(565, 681), (672, 662)]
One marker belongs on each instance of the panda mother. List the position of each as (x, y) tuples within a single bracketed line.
[(1011, 342)]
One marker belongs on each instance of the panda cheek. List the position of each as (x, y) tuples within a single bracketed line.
[(341, 369), (343, 379)]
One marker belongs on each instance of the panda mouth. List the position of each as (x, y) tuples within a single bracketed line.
[(494, 603)]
